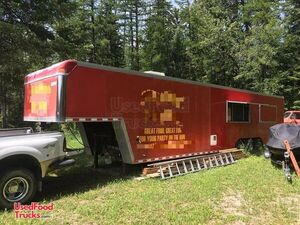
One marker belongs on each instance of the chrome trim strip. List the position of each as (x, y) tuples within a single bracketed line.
[(84, 138), (90, 119), (123, 141), (61, 98), (48, 76), (41, 119), (46, 68), (171, 157)]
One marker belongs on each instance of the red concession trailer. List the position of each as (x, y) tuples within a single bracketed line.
[(148, 117)]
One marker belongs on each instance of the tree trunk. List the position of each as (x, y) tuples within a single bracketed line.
[(131, 39), (137, 57), (93, 30)]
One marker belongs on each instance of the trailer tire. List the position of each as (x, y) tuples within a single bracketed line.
[(240, 144), (257, 144), (17, 185), (245, 143)]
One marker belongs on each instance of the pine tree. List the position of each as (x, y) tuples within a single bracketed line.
[(26, 37), (179, 59), (214, 44), (133, 14), (91, 33), (260, 46), (186, 36), (289, 57), (158, 35), (109, 49)]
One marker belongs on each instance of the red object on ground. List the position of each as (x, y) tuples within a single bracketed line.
[(292, 117), (293, 159), (154, 117)]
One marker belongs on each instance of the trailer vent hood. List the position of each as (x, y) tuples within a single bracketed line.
[(155, 73)]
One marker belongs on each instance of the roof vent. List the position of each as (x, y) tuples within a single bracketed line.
[(155, 73)]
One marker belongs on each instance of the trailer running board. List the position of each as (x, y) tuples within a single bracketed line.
[(174, 168)]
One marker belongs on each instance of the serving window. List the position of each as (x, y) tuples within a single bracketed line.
[(238, 112)]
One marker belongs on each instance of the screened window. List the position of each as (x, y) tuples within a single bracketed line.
[(238, 112)]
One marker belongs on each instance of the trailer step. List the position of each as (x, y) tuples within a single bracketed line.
[(174, 168)]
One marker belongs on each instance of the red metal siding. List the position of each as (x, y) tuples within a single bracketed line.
[(100, 93), (229, 132), (268, 113)]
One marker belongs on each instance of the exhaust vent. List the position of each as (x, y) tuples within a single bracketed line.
[(155, 73)]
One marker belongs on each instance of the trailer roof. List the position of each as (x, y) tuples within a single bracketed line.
[(137, 73), (65, 67)]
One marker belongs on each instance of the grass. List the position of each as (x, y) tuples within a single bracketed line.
[(251, 191), (72, 136)]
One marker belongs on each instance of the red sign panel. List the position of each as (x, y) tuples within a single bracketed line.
[(41, 99)]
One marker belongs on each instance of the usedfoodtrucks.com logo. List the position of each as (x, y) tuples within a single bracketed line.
[(33, 211)]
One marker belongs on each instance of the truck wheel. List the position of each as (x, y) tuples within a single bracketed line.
[(17, 185)]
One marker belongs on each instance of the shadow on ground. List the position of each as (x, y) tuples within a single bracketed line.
[(83, 177)]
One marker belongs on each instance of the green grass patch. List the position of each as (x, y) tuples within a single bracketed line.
[(251, 191), (72, 136)]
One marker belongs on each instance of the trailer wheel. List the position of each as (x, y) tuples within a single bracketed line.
[(240, 144), (258, 144), (245, 144), (17, 185)]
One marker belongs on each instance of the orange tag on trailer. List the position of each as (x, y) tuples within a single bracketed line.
[(41, 99)]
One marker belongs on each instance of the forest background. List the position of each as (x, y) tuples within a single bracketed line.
[(248, 44)]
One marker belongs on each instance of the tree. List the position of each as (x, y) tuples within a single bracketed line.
[(158, 34), (289, 56), (214, 44), (109, 45), (179, 62), (25, 43), (90, 34), (133, 14), (262, 39)]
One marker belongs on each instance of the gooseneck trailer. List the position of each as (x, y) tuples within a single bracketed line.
[(146, 117)]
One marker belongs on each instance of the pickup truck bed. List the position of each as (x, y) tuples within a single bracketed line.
[(25, 158)]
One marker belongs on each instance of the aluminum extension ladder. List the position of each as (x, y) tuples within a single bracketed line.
[(184, 166)]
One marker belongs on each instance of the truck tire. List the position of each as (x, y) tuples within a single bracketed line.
[(17, 185)]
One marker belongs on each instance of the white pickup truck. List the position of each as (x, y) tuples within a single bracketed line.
[(25, 158)]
